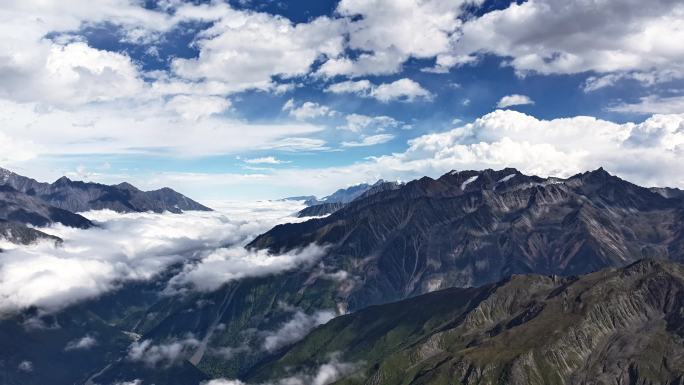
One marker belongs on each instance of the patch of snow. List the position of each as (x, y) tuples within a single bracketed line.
[(505, 179), (469, 181)]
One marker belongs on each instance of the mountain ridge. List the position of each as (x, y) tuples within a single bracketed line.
[(79, 196), (486, 225)]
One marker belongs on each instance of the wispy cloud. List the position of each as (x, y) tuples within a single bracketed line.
[(265, 160), (371, 140)]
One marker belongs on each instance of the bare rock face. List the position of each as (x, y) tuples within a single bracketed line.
[(472, 228), (21, 208), (616, 326), (76, 196)]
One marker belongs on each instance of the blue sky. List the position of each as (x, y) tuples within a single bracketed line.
[(262, 99)]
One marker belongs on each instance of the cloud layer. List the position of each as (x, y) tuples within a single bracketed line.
[(138, 246)]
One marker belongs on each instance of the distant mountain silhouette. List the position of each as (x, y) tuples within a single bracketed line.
[(76, 196)]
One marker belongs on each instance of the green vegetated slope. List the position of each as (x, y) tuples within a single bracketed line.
[(616, 326)]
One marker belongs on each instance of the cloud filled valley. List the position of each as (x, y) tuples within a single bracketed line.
[(138, 247)]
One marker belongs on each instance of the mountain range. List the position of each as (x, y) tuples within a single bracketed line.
[(472, 228), (476, 277), (77, 196), (342, 197), (26, 202)]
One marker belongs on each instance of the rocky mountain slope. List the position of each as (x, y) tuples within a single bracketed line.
[(472, 228), (616, 326), (18, 211), (26, 209), (76, 196)]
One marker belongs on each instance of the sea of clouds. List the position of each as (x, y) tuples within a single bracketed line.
[(139, 246)]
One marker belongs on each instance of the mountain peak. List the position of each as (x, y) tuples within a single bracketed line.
[(127, 186), (63, 180)]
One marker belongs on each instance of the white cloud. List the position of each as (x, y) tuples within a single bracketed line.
[(426, 30), (265, 160), (25, 366), (145, 128), (84, 343), (59, 96), (165, 354), (295, 329), (514, 100), (307, 110), (649, 153), (195, 107), (299, 144), (652, 104), (223, 381), (370, 140), (361, 87), (358, 123), (233, 263), (402, 90), (550, 37), (245, 50), (137, 247)]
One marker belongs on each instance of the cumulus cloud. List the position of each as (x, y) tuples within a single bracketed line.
[(647, 152), (550, 37), (295, 329), (558, 147), (370, 140), (244, 50), (426, 30), (405, 89), (514, 100), (307, 110), (195, 107), (53, 84), (138, 246), (84, 343)]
